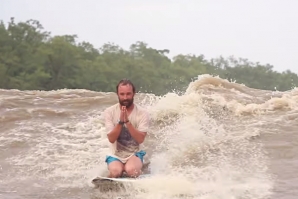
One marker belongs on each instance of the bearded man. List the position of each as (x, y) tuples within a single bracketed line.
[(126, 124)]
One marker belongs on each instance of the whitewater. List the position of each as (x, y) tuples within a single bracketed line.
[(216, 139)]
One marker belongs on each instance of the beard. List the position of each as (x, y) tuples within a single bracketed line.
[(127, 103)]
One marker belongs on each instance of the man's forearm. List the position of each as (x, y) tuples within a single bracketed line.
[(114, 134), (136, 134)]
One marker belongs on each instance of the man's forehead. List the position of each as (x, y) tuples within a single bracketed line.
[(125, 87)]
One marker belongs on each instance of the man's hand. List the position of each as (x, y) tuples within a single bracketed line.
[(114, 134), (124, 111), (137, 135), (122, 114)]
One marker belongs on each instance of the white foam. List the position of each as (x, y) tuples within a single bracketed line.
[(192, 153)]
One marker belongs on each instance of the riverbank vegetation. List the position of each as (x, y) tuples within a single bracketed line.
[(32, 59)]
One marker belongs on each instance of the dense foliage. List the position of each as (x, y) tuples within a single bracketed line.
[(30, 58)]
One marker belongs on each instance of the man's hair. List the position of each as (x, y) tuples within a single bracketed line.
[(125, 82)]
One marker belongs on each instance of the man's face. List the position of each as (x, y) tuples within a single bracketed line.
[(125, 95)]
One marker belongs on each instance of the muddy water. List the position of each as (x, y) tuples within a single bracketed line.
[(217, 140)]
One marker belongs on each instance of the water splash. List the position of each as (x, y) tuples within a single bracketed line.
[(200, 144)]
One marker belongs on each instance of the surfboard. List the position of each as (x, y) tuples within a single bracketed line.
[(115, 184), (120, 179), (105, 183)]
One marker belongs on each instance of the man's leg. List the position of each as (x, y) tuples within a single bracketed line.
[(134, 164), (115, 167)]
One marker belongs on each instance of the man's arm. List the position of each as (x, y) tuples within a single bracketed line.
[(139, 136), (140, 133), (113, 131), (114, 134)]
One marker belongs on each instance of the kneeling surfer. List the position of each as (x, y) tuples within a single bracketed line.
[(127, 124)]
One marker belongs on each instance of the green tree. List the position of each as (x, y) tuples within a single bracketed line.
[(30, 58)]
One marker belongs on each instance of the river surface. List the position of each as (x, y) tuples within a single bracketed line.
[(217, 139)]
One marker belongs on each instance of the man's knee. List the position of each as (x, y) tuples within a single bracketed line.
[(133, 171), (116, 172), (116, 169), (133, 166)]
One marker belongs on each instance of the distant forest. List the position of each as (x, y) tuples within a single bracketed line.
[(32, 59)]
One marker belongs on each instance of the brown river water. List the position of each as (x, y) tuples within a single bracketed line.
[(216, 140)]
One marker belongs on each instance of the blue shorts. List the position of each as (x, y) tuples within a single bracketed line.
[(139, 154)]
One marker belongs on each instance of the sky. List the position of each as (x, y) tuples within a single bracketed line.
[(263, 31)]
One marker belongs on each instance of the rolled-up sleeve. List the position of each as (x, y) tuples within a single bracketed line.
[(144, 122), (108, 120)]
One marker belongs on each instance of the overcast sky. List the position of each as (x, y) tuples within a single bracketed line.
[(264, 31)]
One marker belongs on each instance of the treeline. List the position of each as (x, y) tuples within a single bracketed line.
[(32, 59)]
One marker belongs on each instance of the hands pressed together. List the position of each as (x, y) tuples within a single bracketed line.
[(123, 114)]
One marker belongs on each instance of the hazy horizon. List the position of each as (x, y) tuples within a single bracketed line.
[(260, 31)]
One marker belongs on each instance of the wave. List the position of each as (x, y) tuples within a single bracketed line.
[(205, 143)]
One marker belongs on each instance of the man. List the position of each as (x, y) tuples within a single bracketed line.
[(127, 124)]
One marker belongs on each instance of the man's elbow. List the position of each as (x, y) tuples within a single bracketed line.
[(142, 138), (140, 141), (111, 139)]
